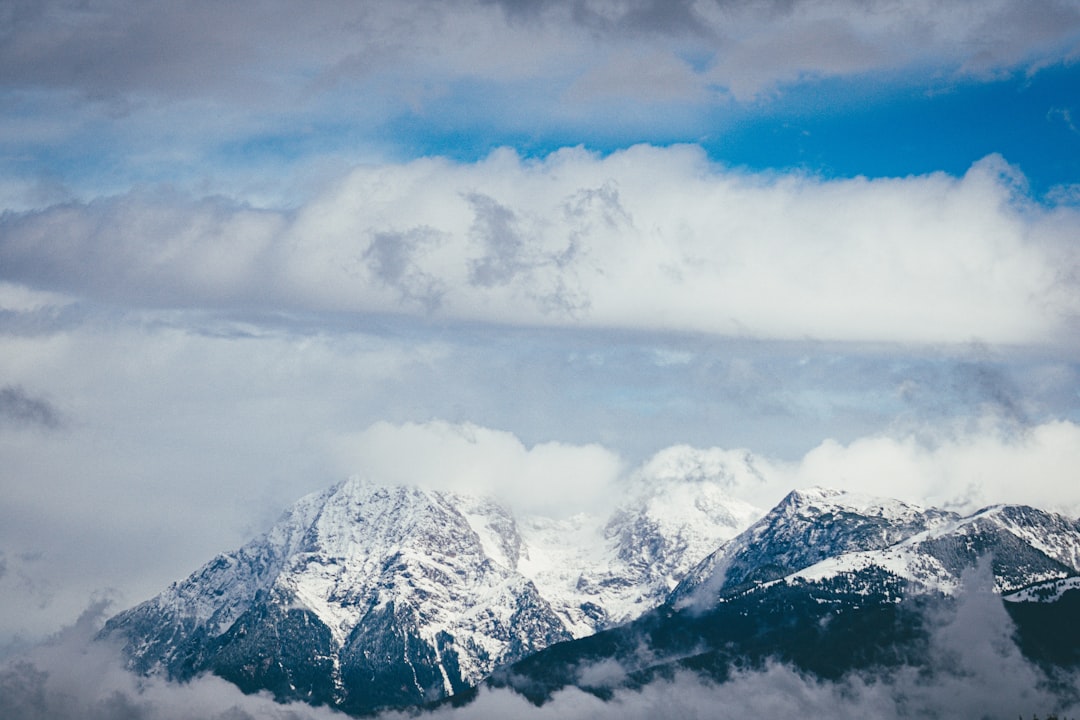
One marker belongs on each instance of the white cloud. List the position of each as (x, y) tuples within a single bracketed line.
[(70, 676), (962, 469), (645, 238), (552, 478), (1034, 466)]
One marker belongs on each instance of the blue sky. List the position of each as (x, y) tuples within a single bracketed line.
[(871, 125), (247, 249)]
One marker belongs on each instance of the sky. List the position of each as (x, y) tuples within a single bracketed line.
[(540, 249)]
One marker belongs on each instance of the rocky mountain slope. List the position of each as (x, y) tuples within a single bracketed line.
[(833, 582), (820, 535), (367, 596)]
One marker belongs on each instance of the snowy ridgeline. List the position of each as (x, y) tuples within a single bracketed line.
[(452, 585), (368, 596)]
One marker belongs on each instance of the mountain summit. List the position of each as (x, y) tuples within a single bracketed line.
[(368, 596), (832, 582)]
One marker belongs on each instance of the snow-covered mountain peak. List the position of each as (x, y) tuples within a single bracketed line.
[(818, 500), (420, 591), (606, 571), (805, 528), (873, 545)]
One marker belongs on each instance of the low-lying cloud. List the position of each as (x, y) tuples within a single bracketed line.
[(966, 471)]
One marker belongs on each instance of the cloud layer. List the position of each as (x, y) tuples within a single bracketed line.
[(964, 470), (126, 49), (552, 479), (263, 100), (645, 238)]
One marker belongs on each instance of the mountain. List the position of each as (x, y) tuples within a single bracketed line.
[(368, 596), (821, 536), (832, 582)]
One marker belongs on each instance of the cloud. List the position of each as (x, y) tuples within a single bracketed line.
[(645, 238), (976, 384), (19, 408), (967, 470), (125, 51), (552, 478), (265, 104), (390, 258)]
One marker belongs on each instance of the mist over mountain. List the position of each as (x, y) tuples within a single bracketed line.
[(575, 292), (368, 597)]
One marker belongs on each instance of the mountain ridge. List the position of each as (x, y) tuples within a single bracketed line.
[(369, 595), (834, 582)]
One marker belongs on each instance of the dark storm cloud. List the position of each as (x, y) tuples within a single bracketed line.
[(20, 408)]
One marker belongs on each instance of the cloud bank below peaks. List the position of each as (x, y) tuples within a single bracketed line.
[(646, 238)]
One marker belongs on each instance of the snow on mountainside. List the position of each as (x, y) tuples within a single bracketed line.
[(367, 596), (877, 545), (833, 582), (1045, 592), (358, 563), (599, 574)]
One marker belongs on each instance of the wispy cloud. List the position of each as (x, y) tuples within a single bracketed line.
[(107, 95), (1063, 115)]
